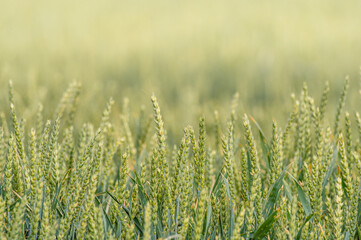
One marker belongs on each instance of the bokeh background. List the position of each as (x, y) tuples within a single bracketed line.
[(193, 55)]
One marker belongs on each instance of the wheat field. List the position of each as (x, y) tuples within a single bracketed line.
[(186, 120), (97, 183)]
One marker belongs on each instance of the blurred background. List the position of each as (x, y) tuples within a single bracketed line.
[(193, 55)]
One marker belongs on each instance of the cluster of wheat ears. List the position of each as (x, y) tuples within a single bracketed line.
[(57, 182)]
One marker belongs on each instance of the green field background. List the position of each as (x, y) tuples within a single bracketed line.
[(193, 55)]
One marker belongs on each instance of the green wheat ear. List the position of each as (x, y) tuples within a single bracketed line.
[(341, 104), (324, 100), (338, 212), (228, 153), (276, 154)]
